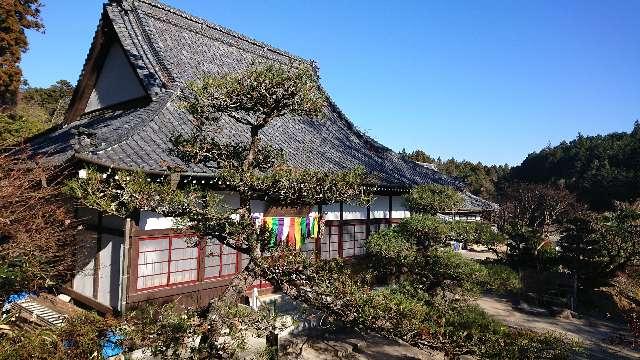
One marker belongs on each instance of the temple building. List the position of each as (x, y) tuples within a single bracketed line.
[(123, 115)]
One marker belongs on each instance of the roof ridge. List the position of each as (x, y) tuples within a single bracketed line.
[(152, 48), (378, 146), (211, 25), (352, 126)]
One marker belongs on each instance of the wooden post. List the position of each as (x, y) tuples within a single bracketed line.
[(124, 272), (319, 237), (272, 345), (96, 258), (202, 254), (368, 223), (340, 231)]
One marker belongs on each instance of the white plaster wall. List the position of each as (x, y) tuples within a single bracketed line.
[(85, 252), (353, 212), (109, 276), (331, 211), (463, 216), (117, 81), (150, 220), (314, 211), (399, 208), (380, 207)]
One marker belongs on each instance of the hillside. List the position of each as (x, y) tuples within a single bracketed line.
[(600, 169)]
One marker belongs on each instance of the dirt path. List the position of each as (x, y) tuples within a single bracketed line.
[(350, 346), (594, 333)]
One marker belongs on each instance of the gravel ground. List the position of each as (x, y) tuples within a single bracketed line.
[(595, 334)]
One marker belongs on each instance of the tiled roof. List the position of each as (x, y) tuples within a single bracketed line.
[(167, 48)]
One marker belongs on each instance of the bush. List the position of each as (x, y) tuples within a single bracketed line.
[(430, 306), (390, 250), (25, 121), (501, 279), (527, 248), (478, 233), (448, 271), (393, 257), (433, 199), (81, 337), (463, 232), (530, 345), (490, 238), (162, 330), (426, 231), (24, 344), (391, 312), (468, 329), (84, 335), (625, 289), (455, 328)]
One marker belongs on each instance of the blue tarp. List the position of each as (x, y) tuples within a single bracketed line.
[(14, 298), (111, 347)]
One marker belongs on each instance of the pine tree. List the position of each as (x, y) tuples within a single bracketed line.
[(16, 16)]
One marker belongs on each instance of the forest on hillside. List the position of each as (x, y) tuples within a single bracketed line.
[(37, 109), (600, 170)]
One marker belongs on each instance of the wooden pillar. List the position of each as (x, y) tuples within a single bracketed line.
[(340, 230), (390, 209), (125, 271), (134, 251), (96, 258), (368, 223), (202, 254), (319, 237)]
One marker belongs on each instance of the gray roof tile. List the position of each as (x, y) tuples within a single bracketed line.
[(168, 48)]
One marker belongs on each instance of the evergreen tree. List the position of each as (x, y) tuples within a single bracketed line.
[(37, 110), (599, 169), (16, 16)]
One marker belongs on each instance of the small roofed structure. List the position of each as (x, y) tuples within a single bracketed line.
[(123, 115)]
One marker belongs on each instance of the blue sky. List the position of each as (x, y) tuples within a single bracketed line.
[(486, 81)]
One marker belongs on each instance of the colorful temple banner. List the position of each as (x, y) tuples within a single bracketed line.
[(291, 230)]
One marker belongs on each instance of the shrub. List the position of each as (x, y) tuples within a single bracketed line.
[(24, 344), (490, 238), (391, 312), (468, 329), (501, 279), (450, 272), (456, 328), (478, 233), (424, 230), (462, 231), (162, 330), (625, 289), (433, 198), (81, 337), (394, 257), (530, 345), (389, 249)]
